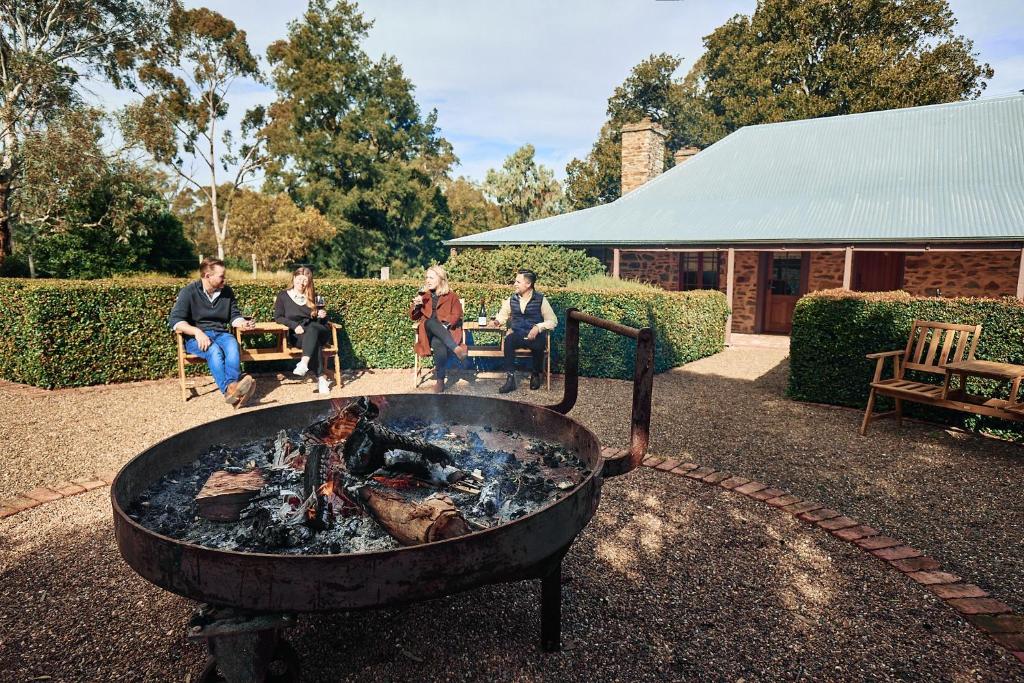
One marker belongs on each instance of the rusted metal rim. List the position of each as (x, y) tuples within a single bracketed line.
[(521, 548)]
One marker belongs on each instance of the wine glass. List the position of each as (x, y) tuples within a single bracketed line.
[(320, 302)]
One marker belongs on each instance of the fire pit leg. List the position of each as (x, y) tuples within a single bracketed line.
[(551, 610), (245, 647)]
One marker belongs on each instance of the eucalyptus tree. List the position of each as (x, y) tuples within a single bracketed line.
[(49, 49), (180, 120), (523, 189)]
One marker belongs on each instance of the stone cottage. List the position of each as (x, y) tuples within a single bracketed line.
[(926, 199)]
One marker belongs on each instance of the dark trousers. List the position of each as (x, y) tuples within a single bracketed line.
[(441, 346), (314, 337), (514, 340)]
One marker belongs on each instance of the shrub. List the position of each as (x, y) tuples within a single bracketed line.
[(555, 266), (833, 331), (70, 333)]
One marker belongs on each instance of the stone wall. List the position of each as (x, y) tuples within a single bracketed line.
[(826, 271), (744, 289), (964, 273), (655, 267)]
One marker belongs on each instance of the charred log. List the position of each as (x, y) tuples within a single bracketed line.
[(435, 518), (315, 486), (365, 448)]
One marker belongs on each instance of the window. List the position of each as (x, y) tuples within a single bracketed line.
[(785, 277), (698, 270)]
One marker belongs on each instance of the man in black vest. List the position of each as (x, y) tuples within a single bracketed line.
[(529, 317)]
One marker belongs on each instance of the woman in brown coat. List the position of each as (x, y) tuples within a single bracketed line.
[(439, 312)]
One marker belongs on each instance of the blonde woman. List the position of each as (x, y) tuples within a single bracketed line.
[(296, 307), (439, 312)]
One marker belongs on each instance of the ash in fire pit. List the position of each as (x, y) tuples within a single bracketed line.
[(350, 483)]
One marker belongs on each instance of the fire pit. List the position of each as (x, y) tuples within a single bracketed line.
[(252, 596)]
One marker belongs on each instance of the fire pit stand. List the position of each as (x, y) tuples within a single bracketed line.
[(251, 598), (244, 645)]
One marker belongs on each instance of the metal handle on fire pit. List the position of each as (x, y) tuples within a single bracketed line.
[(643, 383)]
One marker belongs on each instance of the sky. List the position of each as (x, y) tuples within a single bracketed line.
[(503, 74)]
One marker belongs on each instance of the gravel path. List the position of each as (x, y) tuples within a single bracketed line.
[(674, 580)]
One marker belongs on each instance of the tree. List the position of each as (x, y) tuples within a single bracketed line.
[(797, 59), (178, 120), (652, 91), (81, 213), (274, 229), (471, 211), (46, 48), (346, 137), (522, 189)]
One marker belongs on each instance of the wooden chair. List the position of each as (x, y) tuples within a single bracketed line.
[(420, 373), (279, 351), (930, 347)]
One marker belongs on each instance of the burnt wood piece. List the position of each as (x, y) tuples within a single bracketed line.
[(224, 494), (412, 523), (315, 477), (364, 450)]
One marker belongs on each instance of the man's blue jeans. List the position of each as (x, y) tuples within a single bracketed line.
[(221, 357)]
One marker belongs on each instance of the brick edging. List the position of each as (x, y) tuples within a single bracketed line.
[(54, 492), (992, 617)]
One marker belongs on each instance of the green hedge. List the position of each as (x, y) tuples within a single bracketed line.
[(555, 266), (833, 331), (69, 333)]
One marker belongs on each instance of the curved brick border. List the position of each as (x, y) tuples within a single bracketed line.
[(48, 494), (992, 617)]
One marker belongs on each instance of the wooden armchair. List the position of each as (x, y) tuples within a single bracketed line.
[(930, 347)]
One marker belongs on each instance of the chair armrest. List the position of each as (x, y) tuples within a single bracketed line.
[(880, 363), (884, 354)]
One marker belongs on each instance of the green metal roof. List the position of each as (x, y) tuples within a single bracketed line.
[(948, 172)]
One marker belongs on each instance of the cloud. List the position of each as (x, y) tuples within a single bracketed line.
[(503, 74)]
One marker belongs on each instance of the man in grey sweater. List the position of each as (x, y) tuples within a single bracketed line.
[(206, 311)]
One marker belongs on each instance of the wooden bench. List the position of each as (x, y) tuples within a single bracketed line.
[(279, 351), (419, 372), (942, 350)]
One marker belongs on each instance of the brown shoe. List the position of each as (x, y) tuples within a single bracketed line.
[(231, 395), (246, 388), (438, 387), (462, 351)]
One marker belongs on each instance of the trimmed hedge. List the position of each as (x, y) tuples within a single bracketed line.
[(70, 333), (833, 330), (555, 266)]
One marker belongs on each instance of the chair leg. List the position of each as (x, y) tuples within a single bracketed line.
[(181, 379), (415, 370), (867, 413), (337, 370), (899, 412)]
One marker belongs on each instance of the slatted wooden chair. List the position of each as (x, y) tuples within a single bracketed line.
[(930, 347)]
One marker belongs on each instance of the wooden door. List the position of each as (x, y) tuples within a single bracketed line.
[(877, 271), (783, 287)]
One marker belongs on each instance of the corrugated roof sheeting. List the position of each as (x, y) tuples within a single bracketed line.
[(943, 172)]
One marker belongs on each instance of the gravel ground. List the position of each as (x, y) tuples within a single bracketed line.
[(673, 580)]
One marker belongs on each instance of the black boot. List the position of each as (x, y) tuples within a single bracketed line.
[(535, 380), (510, 383)]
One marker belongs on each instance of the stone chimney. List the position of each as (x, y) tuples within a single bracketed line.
[(643, 153), (685, 154)]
